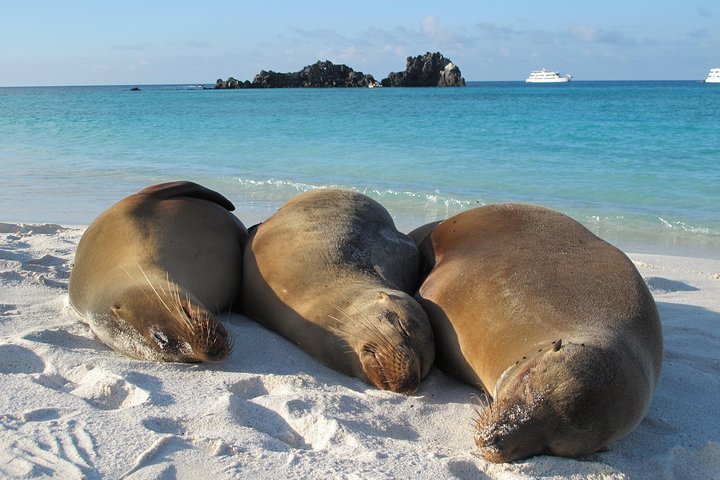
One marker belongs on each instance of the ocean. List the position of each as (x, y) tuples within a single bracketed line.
[(636, 162)]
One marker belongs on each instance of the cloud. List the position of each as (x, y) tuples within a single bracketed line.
[(430, 26), (197, 44), (594, 35), (701, 34), (494, 31), (133, 47), (324, 35), (705, 12)]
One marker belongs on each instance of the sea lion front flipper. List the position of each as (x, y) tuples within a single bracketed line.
[(184, 188)]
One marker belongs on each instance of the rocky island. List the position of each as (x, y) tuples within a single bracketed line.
[(429, 70), (318, 75)]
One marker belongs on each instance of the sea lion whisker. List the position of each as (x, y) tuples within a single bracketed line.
[(185, 314), (343, 312), (227, 316), (153, 287), (482, 400), (339, 321), (137, 284), (203, 321), (229, 345), (345, 333), (342, 333), (167, 281), (372, 328), (378, 334)]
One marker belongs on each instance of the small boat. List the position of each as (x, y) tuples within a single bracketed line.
[(545, 76), (713, 76)]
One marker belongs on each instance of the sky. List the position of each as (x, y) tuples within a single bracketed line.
[(50, 42)]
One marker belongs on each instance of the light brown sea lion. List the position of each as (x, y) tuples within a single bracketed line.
[(553, 323), (330, 272), (153, 270)]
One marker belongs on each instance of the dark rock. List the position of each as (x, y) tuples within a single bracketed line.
[(135, 89), (319, 75), (429, 70)]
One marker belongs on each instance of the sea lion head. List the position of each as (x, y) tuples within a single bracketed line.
[(569, 400), (153, 323), (392, 339)]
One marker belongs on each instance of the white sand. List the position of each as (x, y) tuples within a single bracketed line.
[(72, 408)]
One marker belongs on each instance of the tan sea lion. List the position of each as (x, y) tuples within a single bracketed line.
[(553, 323), (330, 272), (153, 270)]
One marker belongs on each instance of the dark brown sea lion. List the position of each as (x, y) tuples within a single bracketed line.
[(153, 270), (330, 272), (553, 323)]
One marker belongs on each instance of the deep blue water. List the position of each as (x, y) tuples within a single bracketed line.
[(637, 162)]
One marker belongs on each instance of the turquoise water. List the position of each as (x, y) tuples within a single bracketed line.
[(637, 162)]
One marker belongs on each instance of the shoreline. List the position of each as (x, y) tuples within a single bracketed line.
[(647, 243)]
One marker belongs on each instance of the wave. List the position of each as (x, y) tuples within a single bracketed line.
[(686, 227), (391, 198)]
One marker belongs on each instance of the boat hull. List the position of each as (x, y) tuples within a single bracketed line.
[(554, 80)]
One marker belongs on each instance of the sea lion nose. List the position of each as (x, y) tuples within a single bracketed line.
[(217, 352), (408, 384), (396, 370)]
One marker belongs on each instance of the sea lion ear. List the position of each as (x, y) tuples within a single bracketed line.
[(383, 297), (164, 191)]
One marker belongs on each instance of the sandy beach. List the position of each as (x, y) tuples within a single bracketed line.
[(72, 408)]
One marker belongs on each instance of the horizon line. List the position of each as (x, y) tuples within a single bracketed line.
[(574, 80)]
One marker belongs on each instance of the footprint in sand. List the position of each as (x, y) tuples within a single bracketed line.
[(61, 337), (463, 469), (659, 285), (42, 415), (8, 309), (47, 445), (269, 405), (264, 420), (17, 359), (30, 229), (165, 425), (249, 388), (108, 391), (11, 278), (98, 387)]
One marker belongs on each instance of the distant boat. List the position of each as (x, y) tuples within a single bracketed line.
[(713, 76), (545, 76)]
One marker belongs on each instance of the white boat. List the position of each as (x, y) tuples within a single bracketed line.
[(713, 76), (545, 76)]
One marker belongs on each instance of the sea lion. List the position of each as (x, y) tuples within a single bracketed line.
[(153, 270), (553, 323), (330, 272)]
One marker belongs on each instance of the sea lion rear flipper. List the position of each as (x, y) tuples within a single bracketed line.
[(183, 188)]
